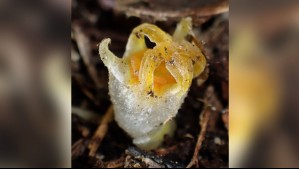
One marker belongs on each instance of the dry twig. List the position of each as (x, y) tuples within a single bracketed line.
[(84, 46), (118, 163), (157, 10), (201, 137), (78, 148), (100, 133)]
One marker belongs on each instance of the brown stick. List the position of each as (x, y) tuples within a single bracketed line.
[(84, 46), (201, 137), (78, 148), (100, 133), (118, 163)]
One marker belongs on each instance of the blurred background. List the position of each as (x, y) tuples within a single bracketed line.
[(35, 92), (264, 76)]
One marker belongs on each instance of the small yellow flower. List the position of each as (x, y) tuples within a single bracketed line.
[(148, 85)]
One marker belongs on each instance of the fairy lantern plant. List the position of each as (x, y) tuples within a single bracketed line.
[(147, 86)]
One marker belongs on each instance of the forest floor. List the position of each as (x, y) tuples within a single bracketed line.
[(97, 140)]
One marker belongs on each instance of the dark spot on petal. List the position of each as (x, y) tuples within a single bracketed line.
[(171, 61), (150, 93), (138, 35), (189, 38)]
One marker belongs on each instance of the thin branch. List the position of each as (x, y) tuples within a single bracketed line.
[(118, 163), (201, 137), (100, 133), (78, 148)]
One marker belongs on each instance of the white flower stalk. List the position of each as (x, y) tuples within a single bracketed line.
[(147, 86)]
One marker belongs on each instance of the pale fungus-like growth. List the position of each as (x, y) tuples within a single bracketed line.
[(148, 85)]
